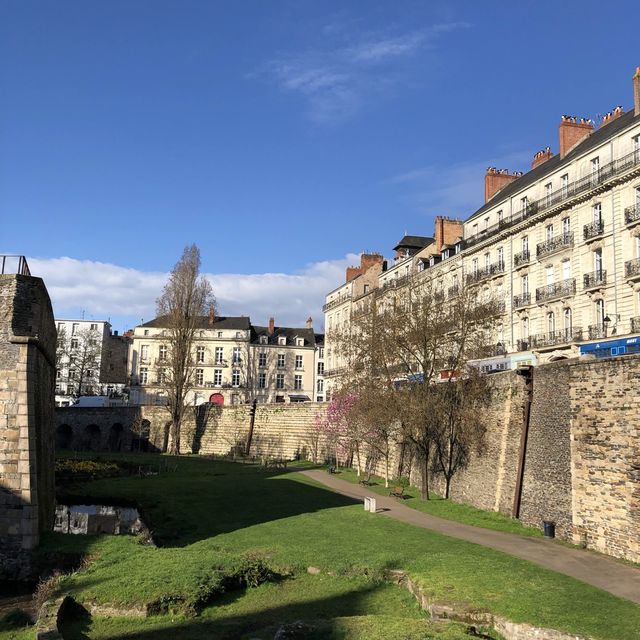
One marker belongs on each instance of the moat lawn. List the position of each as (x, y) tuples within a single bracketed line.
[(224, 525)]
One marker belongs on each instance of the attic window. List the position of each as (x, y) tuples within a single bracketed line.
[(282, 340), (300, 342), (264, 340)]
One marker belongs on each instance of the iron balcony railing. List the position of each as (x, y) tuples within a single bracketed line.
[(635, 324), (554, 338), (632, 268), (521, 258), (597, 332), (493, 350), (395, 283), (593, 229), (521, 300), (523, 345), (452, 292), (595, 279), (549, 201), (556, 290), (557, 243), (334, 303), (632, 214), (14, 265), (487, 272)]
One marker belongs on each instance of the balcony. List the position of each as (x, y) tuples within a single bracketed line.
[(593, 230), (521, 259), (489, 271), (566, 193), (14, 264), (597, 332), (632, 269), (552, 245), (632, 214), (523, 345), (338, 301), (452, 292), (556, 290), (556, 338), (595, 280), (635, 324), (523, 300)]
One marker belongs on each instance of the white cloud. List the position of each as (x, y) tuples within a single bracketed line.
[(336, 80), (103, 290)]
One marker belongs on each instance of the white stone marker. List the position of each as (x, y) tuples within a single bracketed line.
[(366, 503), (372, 505)]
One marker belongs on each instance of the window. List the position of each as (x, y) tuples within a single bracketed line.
[(321, 352), (93, 327), (236, 355), (564, 184), (637, 196), (595, 169), (566, 270), (474, 229), (320, 368), (144, 352), (235, 378), (58, 373), (162, 376), (74, 343), (199, 354), (549, 231), (551, 322), (219, 334), (219, 353), (474, 266), (486, 223), (199, 377), (283, 340), (238, 334), (320, 386), (60, 327), (500, 217), (525, 328), (568, 321), (566, 226), (500, 255), (600, 313), (549, 275), (146, 332), (597, 213), (597, 262), (74, 328), (548, 190), (281, 360), (300, 342), (217, 377), (487, 261), (144, 375), (280, 381), (162, 352), (366, 288), (71, 389), (524, 285), (262, 380), (297, 382), (262, 359), (264, 340), (298, 362), (524, 202), (525, 245)]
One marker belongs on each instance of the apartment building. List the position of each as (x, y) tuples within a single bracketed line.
[(91, 360), (559, 244), (234, 362)]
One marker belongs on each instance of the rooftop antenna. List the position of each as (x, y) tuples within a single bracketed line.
[(83, 314)]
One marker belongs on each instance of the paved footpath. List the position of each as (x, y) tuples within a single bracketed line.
[(611, 575)]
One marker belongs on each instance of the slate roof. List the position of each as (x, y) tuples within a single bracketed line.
[(413, 242), (290, 333), (555, 163), (237, 323)]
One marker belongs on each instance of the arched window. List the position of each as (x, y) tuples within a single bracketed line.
[(551, 322)]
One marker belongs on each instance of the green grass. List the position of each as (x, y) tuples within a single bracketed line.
[(447, 509), (210, 513)]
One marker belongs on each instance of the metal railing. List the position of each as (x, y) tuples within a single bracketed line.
[(635, 324), (595, 279), (556, 290), (521, 258), (521, 300), (14, 265), (597, 332), (632, 268), (523, 345), (632, 214), (453, 291), (593, 229), (554, 338), (334, 303), (565, 193), (554, 244), (485, 273)]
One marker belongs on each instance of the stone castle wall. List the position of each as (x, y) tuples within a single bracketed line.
[(581, 460), (27, 378)]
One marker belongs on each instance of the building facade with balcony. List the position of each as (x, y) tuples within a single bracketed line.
[(233, 362), (559, 244)]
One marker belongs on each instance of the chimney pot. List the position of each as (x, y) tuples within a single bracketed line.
[(495, 180), (636, 92), (572, 131), (272, 325), (309, 322), (212, 316)]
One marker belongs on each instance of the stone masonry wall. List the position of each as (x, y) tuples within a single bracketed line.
[(27, 373)]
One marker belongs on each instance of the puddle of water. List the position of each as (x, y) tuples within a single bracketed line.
[(97, 518)]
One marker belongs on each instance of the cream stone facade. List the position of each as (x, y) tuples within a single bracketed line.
[(559, 245), (234, 362)]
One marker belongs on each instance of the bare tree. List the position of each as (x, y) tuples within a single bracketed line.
[(185, 299), (78, 359)]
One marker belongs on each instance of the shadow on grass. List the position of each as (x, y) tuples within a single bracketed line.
[(204, 498)]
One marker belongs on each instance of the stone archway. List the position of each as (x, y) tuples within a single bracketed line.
[(216, 398), (115, 437), (92, 435), (64, 437)]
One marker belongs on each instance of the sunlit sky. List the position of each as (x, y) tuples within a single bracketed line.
[(284, 138)]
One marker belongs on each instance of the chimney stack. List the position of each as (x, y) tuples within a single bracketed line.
[(309, 322), (636, 91), (497, 179), (610, 116), (272, 326), (573, 131), (212, 316), (447, 232), (541, 156)]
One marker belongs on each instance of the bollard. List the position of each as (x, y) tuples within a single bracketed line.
[(366, 503), (372, 505)]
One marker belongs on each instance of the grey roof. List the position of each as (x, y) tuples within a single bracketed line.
[(610, 130), (413, 242), (237, 323), (290, 333)]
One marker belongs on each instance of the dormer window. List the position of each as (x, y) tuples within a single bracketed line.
[(264, 340), (300, 342), (282, 340)]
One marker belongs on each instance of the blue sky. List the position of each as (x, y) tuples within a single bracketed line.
[(281, 137)]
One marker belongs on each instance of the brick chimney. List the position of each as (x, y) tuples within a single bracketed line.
[(352, 272), (636, 92), (573, 131), (541, 156), (497, 179), (212, 316), (367, 260), (447, 231), (272, 326), (309, 322)]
